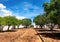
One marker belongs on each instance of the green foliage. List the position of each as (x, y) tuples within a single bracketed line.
[(40, 20), (0, 20), (10, 20), (19, 22), (53, 11), (46, 7), (13, 21), (26, 22)]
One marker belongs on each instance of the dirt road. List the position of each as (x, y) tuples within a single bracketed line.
[(21, 35)]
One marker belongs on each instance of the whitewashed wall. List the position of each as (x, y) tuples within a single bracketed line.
[(45, 26), (36, 26), (6, 27), (21, 26)]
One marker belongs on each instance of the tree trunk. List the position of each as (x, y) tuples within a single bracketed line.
[(52, 26), (41, 26), (25, 26), (18, 26), (59, 26), (8, 27), (1, 27), (14, 27)]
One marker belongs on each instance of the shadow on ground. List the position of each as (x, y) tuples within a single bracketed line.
[(8, 31), (51, 35)]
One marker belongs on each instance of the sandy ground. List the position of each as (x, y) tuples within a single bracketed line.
[(21, 35)]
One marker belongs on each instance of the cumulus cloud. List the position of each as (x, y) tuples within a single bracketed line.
[(2, 6), (27, 9), (5, 12), (20, 17)]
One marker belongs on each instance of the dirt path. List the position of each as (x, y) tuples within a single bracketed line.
[(21, 35)]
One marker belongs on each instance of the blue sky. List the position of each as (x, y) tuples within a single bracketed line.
[(22, 8)]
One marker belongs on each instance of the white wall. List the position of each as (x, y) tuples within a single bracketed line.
[(5, 28), (21, 26)]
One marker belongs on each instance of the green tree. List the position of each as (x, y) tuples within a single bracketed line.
[(19, 22), (40, 20), (10, 20), (52, 10), (26, 22), (1, 20), (14, 21)]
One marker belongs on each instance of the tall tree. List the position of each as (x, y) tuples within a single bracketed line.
[(10, 20), (40, 20), (52, 10), (14, 21)]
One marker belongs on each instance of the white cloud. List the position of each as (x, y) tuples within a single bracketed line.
[(5, 12), (25, 9), (2, 6), (20, 17)]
